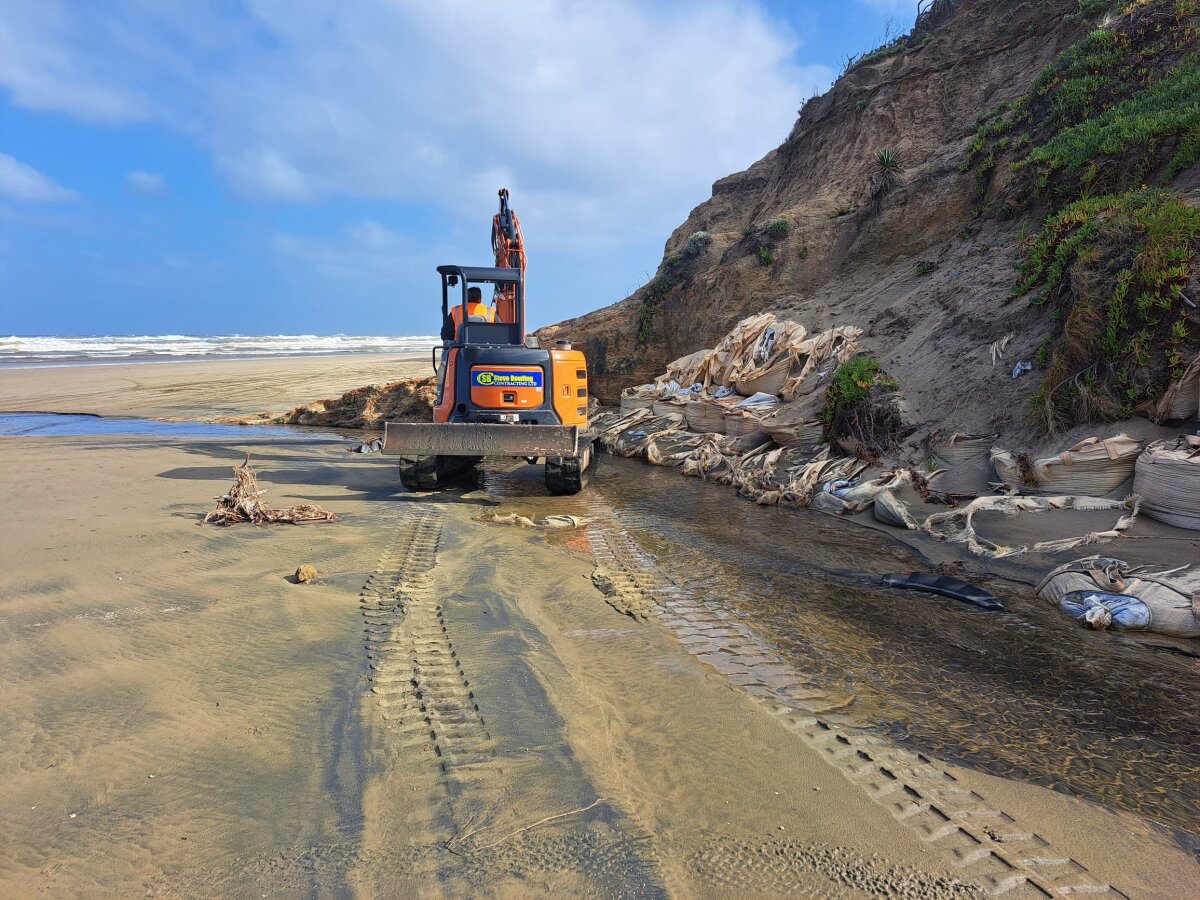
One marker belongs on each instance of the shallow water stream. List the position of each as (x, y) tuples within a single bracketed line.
[(1023, 693)]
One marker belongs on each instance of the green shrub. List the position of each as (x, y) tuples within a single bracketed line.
[(697, 243), (859, 408), (924, 267), (777, 229), (1113, 269), (1114, 110), (766, 256), (888, 170), (1168, 110), (656, 290)]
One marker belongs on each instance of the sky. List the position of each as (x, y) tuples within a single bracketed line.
[(296, 167)]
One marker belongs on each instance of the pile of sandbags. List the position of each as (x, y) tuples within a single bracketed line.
[(1167, 477), (1103, 592), (1092, 468)]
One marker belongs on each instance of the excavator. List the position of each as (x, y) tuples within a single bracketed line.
[(500, 394)]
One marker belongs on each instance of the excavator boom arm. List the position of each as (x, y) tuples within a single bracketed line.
[(508, 245)]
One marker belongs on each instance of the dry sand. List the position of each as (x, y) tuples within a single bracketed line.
[(199, 390), (452, 708)]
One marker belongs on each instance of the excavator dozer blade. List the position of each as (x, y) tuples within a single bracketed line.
[(479, 439)]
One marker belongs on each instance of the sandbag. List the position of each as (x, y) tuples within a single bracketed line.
[(706, 415), (1182, 398), (740, 424), (963, 447), (794, 425), (956, 525), (1172, 596), (685, 370), (891, 510), (1092, 468), (632, 441), (769, 379), (817, 357), (673, 447), (746, 417), (640, 397), (1167, 476), (669, 406), (1099, 610)]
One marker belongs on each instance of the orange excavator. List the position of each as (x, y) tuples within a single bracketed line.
[(499, 393)]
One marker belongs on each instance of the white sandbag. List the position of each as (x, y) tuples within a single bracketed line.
[(770, 379), (669, 406), (1182, 398), (1092, 468), (640, 397), (794, 425), (891, 510), (632, 440), (673, 447), (1171, 595), (741, 424), (963, 447), (956, 525), (706, 415), (685, 370), (1167, 476)]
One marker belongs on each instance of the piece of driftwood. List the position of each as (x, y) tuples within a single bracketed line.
[(244, 503)]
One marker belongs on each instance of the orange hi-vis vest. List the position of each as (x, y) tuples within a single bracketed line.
[(482, 310)]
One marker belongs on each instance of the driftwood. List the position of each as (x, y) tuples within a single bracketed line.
[(244, 503)]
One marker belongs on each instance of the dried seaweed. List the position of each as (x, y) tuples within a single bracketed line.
[(244, 503)]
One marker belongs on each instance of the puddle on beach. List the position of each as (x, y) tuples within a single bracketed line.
[(74, 425), (1023, 694)]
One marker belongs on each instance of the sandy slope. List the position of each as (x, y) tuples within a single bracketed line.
[(451, 709)]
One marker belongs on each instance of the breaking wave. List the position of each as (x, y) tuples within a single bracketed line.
[(51, 350)]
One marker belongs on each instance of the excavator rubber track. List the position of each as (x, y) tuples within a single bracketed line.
[(571, 474), (431, 473)]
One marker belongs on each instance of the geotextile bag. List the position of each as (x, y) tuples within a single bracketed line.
[(1167, 476), (1172, 596), (1092, 468)]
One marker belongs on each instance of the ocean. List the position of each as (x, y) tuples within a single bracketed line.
[(74, 351)]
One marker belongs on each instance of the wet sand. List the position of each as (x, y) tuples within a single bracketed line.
[(452, 709)]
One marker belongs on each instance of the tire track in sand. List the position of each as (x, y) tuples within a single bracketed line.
[(421, 688), (978, 841)]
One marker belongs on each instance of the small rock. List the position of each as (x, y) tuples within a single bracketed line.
[(306, 573)]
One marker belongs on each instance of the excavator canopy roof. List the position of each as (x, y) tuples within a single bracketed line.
[(482, 273)]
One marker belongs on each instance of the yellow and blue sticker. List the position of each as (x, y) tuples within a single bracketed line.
[(492, 378)]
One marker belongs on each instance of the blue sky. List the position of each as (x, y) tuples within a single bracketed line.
[(293, 166)]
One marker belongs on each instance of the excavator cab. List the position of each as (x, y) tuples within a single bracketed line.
[(497, 396)]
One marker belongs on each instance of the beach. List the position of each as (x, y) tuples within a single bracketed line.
[(461, 707)]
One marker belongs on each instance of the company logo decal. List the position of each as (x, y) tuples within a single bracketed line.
[(487, 378)]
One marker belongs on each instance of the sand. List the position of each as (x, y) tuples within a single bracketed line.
[(199, 390), (450, 709)]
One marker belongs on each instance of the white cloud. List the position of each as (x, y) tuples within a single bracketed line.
[(364, 251), (21, 182), (895, 6), (150, 183), (609, 121)]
